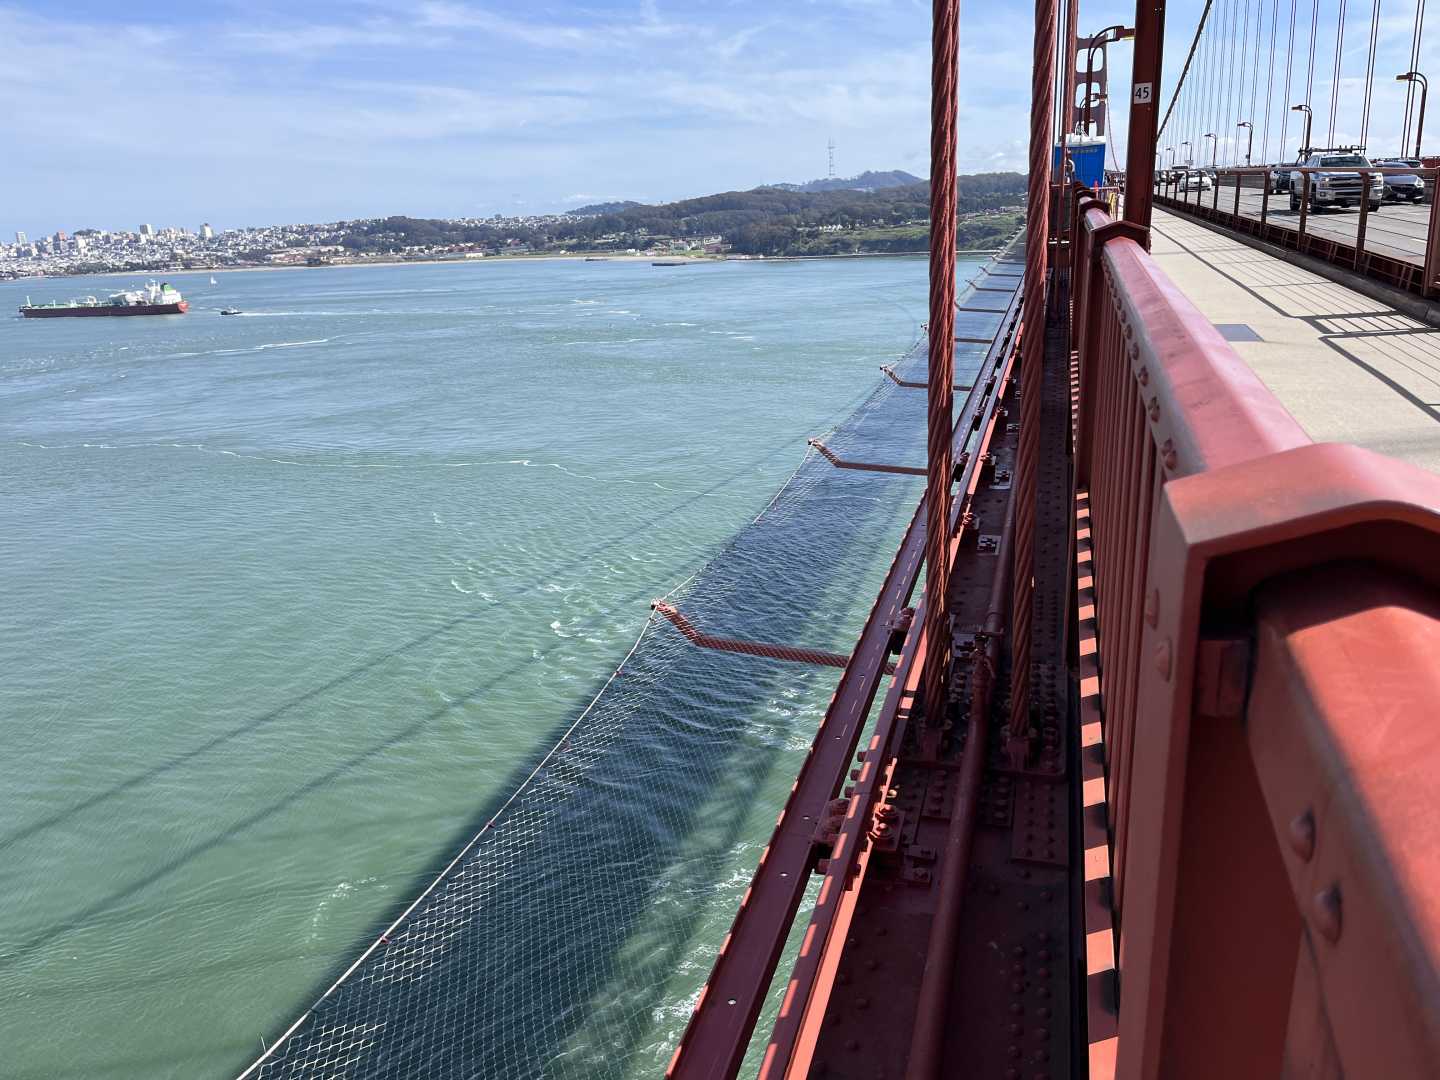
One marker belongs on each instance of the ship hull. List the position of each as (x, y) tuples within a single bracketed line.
[(106, 309)]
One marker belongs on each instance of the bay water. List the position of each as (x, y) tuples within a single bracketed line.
[(289, 596)]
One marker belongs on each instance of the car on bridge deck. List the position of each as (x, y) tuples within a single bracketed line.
[(1195, 180), (1409, 187), (1280, 177), (1335, 188)]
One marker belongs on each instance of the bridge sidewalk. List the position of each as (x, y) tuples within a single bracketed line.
[(1348, 367)]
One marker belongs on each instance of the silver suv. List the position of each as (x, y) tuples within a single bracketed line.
[(1336, 188)]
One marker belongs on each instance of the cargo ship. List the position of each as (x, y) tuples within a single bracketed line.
[(162, 299)]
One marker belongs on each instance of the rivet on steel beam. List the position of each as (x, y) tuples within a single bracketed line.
[(1154, 410), (1163, 659), (1152, 608), (1167, 455), (1144, 376), (1302, 835), (1327, 912)]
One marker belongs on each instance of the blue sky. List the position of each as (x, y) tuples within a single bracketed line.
[(252, 111)]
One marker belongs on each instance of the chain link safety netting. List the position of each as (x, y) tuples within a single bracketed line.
[(572, 934)]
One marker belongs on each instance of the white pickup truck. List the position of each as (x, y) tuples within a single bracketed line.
[(1335, 188)]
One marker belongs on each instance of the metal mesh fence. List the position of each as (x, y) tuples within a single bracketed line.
[(560, 942)]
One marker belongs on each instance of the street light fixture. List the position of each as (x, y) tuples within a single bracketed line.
[(1214, 146), (1415, 76), (1118, 32), (1249, 146), (1171, 151), (1305, 142)]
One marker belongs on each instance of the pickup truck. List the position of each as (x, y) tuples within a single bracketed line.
[(1335, 188)]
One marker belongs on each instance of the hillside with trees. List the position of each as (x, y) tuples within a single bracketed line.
[(763, 221)]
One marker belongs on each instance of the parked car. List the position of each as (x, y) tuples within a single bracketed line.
[(1196, 180), (1336, 188), (1280, 177), (1407, 186)]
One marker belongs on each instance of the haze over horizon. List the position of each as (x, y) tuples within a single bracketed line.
[(252, 112)]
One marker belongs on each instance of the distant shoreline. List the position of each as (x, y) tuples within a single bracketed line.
[(493, 259)]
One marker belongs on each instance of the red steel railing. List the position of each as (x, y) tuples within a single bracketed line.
[(1397, 244), (1259, 618)]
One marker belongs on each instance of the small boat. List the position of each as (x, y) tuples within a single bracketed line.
[(672, 262), (213, 281), (597, 258), (231, 311)]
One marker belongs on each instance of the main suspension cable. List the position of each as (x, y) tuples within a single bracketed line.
[(1194, 43)]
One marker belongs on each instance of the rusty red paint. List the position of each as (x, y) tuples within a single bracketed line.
[(863, 466), (790, 653)]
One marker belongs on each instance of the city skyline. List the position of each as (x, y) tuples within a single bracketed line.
[(250, 112)]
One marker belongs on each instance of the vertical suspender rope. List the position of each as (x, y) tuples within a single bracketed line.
[(1255, 69), (1370, 73), (1233, 120), (1227, 102), (1222, 70), (1285, 102), (1335, 74), (1270, 89), (1310, 65), (1032, 343), (1418, 33), (945, 41)]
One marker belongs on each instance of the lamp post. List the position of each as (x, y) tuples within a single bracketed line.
[(1171, 151), (1305, 141), (1214, 146), (1412, 77), (1249, 146), (1118, 32), (1187, 159)]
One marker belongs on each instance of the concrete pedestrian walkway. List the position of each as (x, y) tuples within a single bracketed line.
[(1348, 367)]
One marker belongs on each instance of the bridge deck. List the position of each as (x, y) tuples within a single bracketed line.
[(1348, 367), (1396, 229)]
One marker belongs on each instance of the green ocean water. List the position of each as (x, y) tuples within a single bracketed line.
[(290, 596)]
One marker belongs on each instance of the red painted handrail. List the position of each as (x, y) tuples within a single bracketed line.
[(1249, 710)]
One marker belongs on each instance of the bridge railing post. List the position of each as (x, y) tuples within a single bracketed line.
[(1431, 284), (1304, 208), (1364, 218)]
